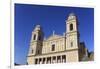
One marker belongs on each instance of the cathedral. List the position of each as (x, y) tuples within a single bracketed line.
[(57, 48)]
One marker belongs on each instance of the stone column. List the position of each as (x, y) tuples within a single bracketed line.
[(45, 61), (61, 59), (56, 59), (66, 58), (41, 60), (51, 60), (37, 60)]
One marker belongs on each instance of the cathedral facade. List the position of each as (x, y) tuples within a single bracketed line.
[(57, 48)]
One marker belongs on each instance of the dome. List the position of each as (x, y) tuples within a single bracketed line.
[(38, 26), (71, 14)]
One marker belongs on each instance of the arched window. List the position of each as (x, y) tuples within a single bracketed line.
[(71, 27), (63, 58), (34, 37)]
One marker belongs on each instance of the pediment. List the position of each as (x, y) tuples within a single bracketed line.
[(52, 37)]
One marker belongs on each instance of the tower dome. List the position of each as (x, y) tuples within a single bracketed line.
[(38, 27), (72, 14)]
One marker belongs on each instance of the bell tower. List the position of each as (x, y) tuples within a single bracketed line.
[(36, 41), (72, 38), (36, 44), (72, 35)]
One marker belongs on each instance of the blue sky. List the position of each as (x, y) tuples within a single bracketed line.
[(50, 18)]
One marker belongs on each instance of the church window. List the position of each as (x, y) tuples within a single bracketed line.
[(38, 51), (71, 27), (32, 51), (71, 44), (34, 38), (53, 47), (39, 38)]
